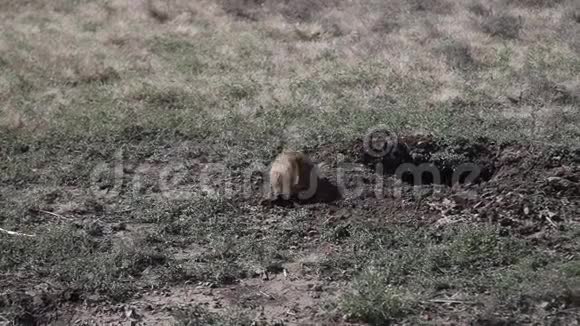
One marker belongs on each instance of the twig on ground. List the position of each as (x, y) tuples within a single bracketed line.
[(267, 295), (54, 214), (16, 233), (550, 221)]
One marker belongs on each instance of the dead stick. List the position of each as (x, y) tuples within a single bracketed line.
[(16, 233), (267, 295), (551, 222), (53, 214)]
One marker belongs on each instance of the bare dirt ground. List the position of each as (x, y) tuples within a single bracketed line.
[(529, 193)]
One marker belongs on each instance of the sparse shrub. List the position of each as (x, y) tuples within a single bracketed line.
[(567, 93), (90, 71), (156, 12), (162, 11), (457, 54), (236, 91), (293, 10), (575, 12), (386, 24), (332, 27), (170, 99), (479, 9), (541, 90), (303, 10), (505, 26), (434, 6), (133, 261), (243, 9), (390, 18), (534, 3)]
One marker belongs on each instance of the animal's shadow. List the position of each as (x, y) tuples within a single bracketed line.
[(326, 192)]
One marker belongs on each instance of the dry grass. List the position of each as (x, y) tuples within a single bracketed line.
[(535, 3), (503, 25), (255, 54)]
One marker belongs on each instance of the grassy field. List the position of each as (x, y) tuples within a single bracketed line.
[(132, 134)]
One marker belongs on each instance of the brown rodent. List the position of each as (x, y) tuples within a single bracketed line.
[(292, 174)]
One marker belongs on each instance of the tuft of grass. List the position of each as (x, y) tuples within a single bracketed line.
[(535, 3), (244, 9), (374, 300), (156, 11), (574, 13), (304, 10), (386, 25), (457, 54), (293, 11), (435, 6), (479, 9), (503, 25)]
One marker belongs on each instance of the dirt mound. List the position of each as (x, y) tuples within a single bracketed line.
[(512, 184)]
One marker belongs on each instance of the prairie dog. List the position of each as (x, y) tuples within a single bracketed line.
[(292, 173)]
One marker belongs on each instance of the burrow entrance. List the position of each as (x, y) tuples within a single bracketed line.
[(423, 160)]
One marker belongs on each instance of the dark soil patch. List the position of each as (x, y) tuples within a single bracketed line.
[(423, 160)]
